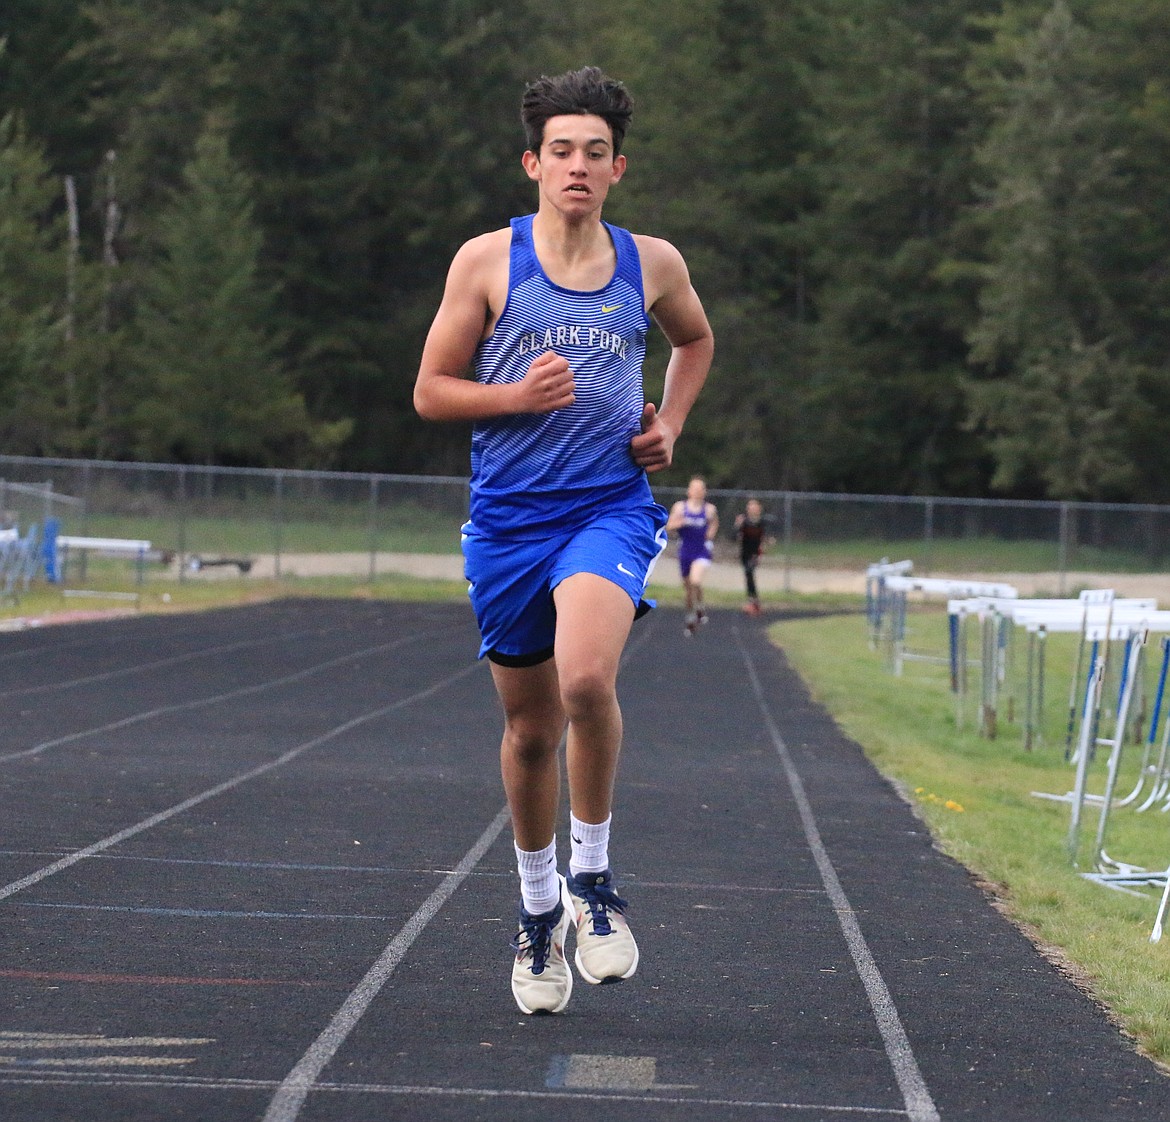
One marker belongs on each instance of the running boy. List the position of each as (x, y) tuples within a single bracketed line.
[(550, 316), (696, 522), (751, 531)]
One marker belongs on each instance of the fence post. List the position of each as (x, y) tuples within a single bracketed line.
[(787, 542), (182, 534), (928, 535), (278, 523), (1062, 553), (373, 526), (85, 498)]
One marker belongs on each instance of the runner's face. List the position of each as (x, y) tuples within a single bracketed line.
[(576, 166), (696, 491)]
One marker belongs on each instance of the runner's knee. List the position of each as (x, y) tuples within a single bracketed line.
[(584, 692), (530, 741)]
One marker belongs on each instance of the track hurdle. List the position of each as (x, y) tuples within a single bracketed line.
[(898, 589), (1135, 642), (876, 599), (18, 559), (1039, 619), (1134, 631)]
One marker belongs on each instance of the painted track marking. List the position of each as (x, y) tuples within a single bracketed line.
[(171, 660), (294, 1089), (101, 1079), (229, 784), (919, 1105), (199, 702)]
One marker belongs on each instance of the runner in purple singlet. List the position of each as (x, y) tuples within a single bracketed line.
[(696, 522)]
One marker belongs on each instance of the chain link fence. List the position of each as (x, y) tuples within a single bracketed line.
[(282, 522)]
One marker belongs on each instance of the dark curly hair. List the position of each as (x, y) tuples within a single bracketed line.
[(587, 91)]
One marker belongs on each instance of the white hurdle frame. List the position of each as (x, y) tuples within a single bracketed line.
[(1039, 618), (898, 588), (117, 547), (876, 599)]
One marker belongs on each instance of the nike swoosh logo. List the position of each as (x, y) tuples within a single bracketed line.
[(623, 569), (607, 308)]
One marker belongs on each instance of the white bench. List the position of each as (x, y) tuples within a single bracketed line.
[(110, 546)]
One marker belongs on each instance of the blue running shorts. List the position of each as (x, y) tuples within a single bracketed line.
[(511, 581)]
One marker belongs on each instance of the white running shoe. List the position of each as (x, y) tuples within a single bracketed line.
[(606, 951), (541, 978)]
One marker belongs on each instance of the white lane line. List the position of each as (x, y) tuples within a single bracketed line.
[(100, 1079), (102, 1061), (919, 1105), (46, 650), (42, 1040), (304, 866), (228, 785), (200, 913), (723, 887), (294, 1089), (44, 641), (199, 702), (186, 656)]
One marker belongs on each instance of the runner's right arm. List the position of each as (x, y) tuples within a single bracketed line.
[(443, 391)]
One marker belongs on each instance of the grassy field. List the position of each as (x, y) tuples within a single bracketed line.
[(964, 555), (975, 793), (335, 529), (251, 528)]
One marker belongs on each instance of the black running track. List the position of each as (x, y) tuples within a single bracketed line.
[(255, 865)]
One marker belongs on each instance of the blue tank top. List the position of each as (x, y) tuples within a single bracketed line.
[(534, 474)]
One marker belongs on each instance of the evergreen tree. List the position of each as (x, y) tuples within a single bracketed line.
[(32, 290), (716, 165), (381, 135), (1061, 389), (210, 388), (164, 67), (45, 76), (1129, 61), (892, 157)]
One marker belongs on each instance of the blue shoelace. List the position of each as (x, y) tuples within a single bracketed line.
[(601, 900), (535, 938)]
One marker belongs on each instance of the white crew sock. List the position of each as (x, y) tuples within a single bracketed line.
[(540, 888), (590, 845)]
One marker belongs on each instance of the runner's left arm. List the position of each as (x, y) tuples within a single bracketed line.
[(676, 308)]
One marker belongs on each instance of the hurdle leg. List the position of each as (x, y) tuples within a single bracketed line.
[(1129, 677), (1159, 784), (953, 648), (1028, 686), (1073, 691), (1161, 779), (1092, 689), (1156, 934), (1041, 647), (1007, 659)]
